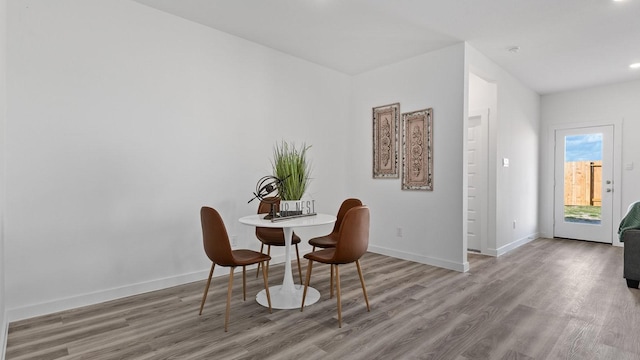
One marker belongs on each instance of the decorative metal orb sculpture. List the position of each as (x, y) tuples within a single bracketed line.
[(266, 190)]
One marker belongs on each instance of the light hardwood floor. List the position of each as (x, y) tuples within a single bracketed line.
[(549, 299)]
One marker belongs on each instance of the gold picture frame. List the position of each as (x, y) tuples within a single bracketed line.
[(386, 120), (417, 144)]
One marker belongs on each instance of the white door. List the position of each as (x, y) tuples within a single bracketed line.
[(477, 144), (583, 194)]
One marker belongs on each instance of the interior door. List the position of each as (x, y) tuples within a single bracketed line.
[(477, 149), (583, 200)]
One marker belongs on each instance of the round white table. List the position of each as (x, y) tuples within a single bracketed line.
[(288, 295)]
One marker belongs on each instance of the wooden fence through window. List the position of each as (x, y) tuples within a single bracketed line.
[(583, 183)]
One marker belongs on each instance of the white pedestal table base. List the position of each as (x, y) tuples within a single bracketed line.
[(291, 299), (288, 295)]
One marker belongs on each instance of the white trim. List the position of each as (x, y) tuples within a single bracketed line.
[(72, 302), (617, 176), (77, 301), (512, 245), (447, 264), (4, 336)]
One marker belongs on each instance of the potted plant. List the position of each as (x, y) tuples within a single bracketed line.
[(291, 166)]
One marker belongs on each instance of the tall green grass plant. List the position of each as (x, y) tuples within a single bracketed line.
[(291, 165)]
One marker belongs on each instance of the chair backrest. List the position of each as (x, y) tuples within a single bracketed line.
[(346, 206), (353, 237), (264, 208), (265, 204), (215, 237)]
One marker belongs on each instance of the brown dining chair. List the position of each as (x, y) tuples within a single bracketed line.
[(274, 236), (218, 250), (353, 240), (330, 240)]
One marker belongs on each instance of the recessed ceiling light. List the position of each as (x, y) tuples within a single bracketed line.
[(635, 66)]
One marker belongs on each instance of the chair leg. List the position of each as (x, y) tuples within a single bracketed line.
[(244, 283), (206, 288), (260, 263), (331, 283), (265, 277), (306, 284), (338, 296), (299, 267), (268, 253), (364, 289), (226, 316)]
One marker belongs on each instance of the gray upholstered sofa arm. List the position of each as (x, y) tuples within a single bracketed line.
[(631, 239)]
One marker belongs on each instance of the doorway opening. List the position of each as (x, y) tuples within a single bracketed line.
[(583, 201), (477, 164), (479, 148)]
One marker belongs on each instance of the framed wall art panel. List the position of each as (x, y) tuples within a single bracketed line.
[(386, 121), (417, 144)]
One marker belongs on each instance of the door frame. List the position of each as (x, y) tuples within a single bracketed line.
[(617, 167), (575, 230)]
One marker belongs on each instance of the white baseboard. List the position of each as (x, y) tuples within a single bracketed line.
[(72, 302), (4, 336), (428, 260), (512, 245), (545, 235), (77, 301)]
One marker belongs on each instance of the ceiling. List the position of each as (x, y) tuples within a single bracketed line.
[(563, 44)]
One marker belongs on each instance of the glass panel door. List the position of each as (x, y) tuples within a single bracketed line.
[(583, 183)]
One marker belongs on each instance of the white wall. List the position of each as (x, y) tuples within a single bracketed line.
[(431, 221), (614, 104), (482, 94), (124, 121), (513, 134), (3, 114)]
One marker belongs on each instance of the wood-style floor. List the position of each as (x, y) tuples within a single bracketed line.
[(549, 299)]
